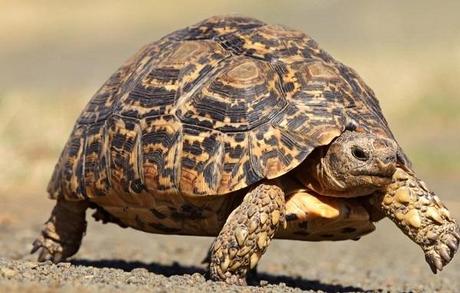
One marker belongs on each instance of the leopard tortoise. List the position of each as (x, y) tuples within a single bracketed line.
[(246, 131)]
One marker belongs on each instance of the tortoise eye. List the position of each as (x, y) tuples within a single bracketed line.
[(351, 125), (359, 153)]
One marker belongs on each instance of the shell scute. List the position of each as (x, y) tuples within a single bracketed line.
[(201, 160), (96, 167), (67, 179), (160, 148), (125, 155), (243, 94)]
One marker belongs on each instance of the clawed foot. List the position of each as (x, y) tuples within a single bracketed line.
[(444, 248), (53, 249), (62, 233), (49, 249), (58, 241), (228, 278)]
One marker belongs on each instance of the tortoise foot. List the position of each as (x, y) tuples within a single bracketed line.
[(232, 279), (50, 249), (62, 233), (444, 248)]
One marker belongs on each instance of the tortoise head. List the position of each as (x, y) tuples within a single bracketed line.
[(354, 164)]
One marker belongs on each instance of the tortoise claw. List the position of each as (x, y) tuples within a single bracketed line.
[(434, 262), (442, 252), (49, 249), (35, 246), (44, 255), (456, 233), (453, 244)]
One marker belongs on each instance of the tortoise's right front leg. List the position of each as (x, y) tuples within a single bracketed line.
[(62, 233), (247, 234)]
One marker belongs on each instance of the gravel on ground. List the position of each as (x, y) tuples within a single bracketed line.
[(113, 259)]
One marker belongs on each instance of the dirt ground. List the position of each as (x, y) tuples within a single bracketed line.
[(113, 259)]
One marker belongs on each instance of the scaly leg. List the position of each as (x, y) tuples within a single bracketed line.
[(247, 234), (62, 233), (420, 215), (250, 275)]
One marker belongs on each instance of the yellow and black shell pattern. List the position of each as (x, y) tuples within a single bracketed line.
[(211, 109)]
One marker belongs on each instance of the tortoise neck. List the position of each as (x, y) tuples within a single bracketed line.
[(311, 172)]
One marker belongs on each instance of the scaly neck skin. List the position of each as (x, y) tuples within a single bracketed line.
[(326, 183), (312, 172), (421, 215), (317, 175)]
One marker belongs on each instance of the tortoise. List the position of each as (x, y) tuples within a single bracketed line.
[(245, 131)]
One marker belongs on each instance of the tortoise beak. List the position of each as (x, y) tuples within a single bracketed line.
[(387, 166)]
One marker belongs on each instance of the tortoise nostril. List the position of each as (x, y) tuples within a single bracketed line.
[(389, 159), (359, 154)]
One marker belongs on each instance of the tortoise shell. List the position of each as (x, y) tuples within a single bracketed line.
[(211, 109)]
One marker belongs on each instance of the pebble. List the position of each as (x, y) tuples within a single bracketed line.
[(7, 273)]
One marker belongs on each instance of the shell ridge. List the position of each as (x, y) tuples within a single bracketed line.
[(81, 166), (124, 155), (96, 155), (70, 168), (218, 164), (177, 171), (140, 156), (106, 151), (253, 163)]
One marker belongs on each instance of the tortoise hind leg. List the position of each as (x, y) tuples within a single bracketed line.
[(247, 234), (62, 234)]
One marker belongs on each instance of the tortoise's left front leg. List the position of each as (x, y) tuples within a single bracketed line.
[(420, 215), (250, 275), (247, 234)]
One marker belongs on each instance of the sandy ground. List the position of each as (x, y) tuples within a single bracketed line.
[(113, 259)]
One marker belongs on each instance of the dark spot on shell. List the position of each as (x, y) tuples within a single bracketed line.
[(163, 228), (303, 225), (188, 163), (302, 233), (348, 230), (289, 86), (137, 186), (188, 212), (158, 214), (139, 222), (210, 176), (291, 217)]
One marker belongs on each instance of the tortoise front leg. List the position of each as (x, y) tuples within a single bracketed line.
[(250, 274), (420, 215), (247, 234), (62, 233)]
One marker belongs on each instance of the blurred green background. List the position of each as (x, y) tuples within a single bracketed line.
[(55, 54)]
